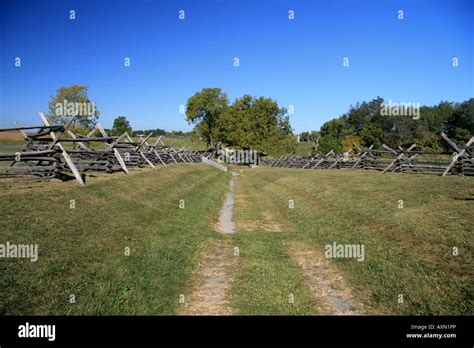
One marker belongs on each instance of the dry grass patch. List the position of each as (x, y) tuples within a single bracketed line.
[(326, 282), (11, 136)]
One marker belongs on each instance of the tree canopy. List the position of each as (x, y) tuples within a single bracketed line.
[(73, 101), (248, 123), (120, 126), (204, 109), (365, 125), (255, 123)]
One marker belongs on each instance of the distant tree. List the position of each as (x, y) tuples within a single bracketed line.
[(176, 133), (121, 125), (204, 109), (257, 124), (314, 137), (332, 133), (73, 101), (365, 122), (429, 141), (328, 143), (371, 134)]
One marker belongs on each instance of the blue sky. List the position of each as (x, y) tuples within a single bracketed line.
[(296, 62)]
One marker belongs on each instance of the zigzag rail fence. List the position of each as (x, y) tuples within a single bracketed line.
[(44, 156), (387, 159)]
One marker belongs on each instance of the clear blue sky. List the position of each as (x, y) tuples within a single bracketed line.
[(296, 62)]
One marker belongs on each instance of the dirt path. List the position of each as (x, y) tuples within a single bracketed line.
[(325, 280), (209, 295), (225, 223)]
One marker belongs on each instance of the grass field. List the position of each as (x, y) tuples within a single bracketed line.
[(408, 251), (11, 141), (82, 250)]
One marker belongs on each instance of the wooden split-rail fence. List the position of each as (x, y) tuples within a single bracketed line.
[(387, 159), (56, 152)]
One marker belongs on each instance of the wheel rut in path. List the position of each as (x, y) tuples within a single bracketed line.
[(325, 281), (209, 295)]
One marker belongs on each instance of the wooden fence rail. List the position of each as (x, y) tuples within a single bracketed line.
[(402, 160), (56, 152)]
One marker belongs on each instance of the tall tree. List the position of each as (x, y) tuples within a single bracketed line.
[(257, 124), (204, 109)]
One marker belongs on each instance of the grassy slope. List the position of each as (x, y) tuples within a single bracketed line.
[(81, 250), (408, 251)]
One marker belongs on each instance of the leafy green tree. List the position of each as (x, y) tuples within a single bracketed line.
[(257, 124), (371, 134), (328, 143), (260, 124), (337, 128), (70, 101), (204, 109), (460, 123), (428, 141), (121, 125), (332, 133)]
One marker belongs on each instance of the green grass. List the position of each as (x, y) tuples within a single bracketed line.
[(81, 250), (188, 143), (11, 146), (268, 283), (408, 251), (303, 148)]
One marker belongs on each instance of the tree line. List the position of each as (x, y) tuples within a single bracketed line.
[(366, 123), (259, 123)]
